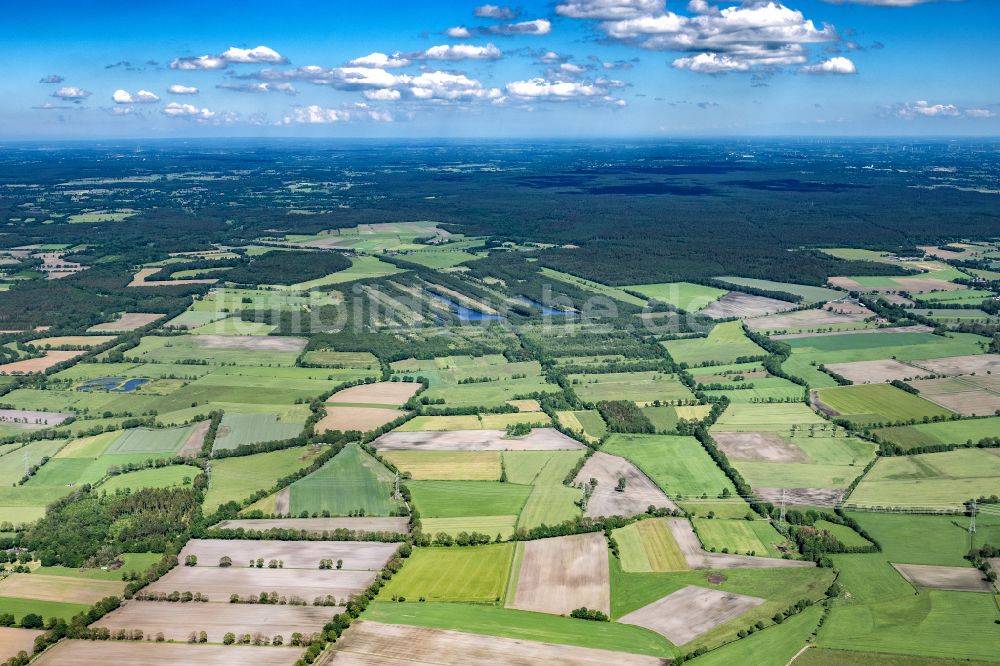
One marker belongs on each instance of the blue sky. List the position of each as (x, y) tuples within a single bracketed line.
[(568, 68)]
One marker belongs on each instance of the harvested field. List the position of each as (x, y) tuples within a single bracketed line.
[(59, 588), (32, 419), (962, 365), (250, 342), (447, 465), (219, 583), (738, 304), (217, 618), (763, 446), (804, 319), (357, 555), (356, 418), (102, 653), (846, 306), (40, 364), (369, 643), (85, 341), (825, 497), (14, 640), (561, 574), (192, 445), (698, 558), (320, 525), (379, 393), (126, 322), (539, 439), (919, 328), (639, 492), (969, 396), (690, 612), (874, 372), (962, 579)]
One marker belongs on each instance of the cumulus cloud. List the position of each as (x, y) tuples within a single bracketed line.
[(142, 97), (52, 78), (257, 55), (343, 78), (458, 32), (72, 94), (381, 60), (924, 109), (177, 89), (263, 87), (450, 87), (536, 27), (837, 65), (496, 12), (461, 52), (318, 115), (756, 34), (886, 3), (202, 115), (540, 89), (383, 95)]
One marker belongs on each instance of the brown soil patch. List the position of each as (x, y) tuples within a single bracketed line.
[(526, 405), (690, 612), (357, 555), (103, 653), (698, 558), (87, 341), (875, 372), (921, 285), (40, 364), (379, 393), (803, 318), (59, 588), (282, 501), (564, 573), (964, 579), (845, 283), (356, 418), (32, 419), (847, 307), (369, 643), (251, 342), (765, 446), (192, 446), (320, 525), (540, 439), (826, 497), (920, 328), (738, 304), (715, 578), (820, 406), (896, 299), (219, 583), (13, 641), (639, 492), (960, 395), (127, 322), (177, 621), (962, 365)]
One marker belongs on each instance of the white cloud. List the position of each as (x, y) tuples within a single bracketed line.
[(256, 55), (886, 3), (837, 65), (458, 32), (199, 62), (711, 63), (380, 60), (318, 115), (263, 87), (461, 52), (609, 10), (539, 89), (175, 110), (550, 57), (536, 27), (572, 68), (382, 95), (926, 109), (450, 87), (177, 89), (496, 12), (980, 113), (72, 93), (141, 97)]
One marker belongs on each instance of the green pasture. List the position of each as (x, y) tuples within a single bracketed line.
[(235, 479), (679, 465), (350, 482), (867, 403), (641, 387), (472, 573), (809, 294), (684, 295)]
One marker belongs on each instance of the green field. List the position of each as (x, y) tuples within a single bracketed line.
[(684, 295), (595, 287), (844, 534), (235, 479), (496, 379), (641, 387), (539, 467), (726, 343), (826, 657), (587, 421), (13, 460), (869, 403), (362, 267), (808, 293), (524, 625), (131, 563), (21, 607), (678, 465), (489, 525), (442, 258), (455, 499), (162, 477), (767, 418), (875, 346), (340, 359), (188, 348), (965, 431), (447, 465), (745, 537), (351, 481), (144, 440), (775, 646), (474, 573), (648, 545), (240, 429)]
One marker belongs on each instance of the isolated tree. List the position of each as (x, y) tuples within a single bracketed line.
[(229, 638), (225, 561)]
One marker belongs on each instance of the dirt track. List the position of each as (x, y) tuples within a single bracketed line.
[(964, 579), (540, 439), (698, 558), (765, 446), (192, 446), (357, 555), (690, 612), (369, 643), (639, 492), (105, 653), (561, 574), (320, 525)]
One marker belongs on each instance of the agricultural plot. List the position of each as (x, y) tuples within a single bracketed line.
[(934, 480), (473, 573), (504, 526), (219, 583), (755, 537), (351, 481), (460, 499), (379, 393), (875, 372), (235, 479), (641, 387), (447, 465), (874, 403), (805, 322), (474, 422), (102, 653), (561, 574), (639, 492), (698, 558), (71, 341), (807, 293), (678, 465), (745, 306), (683, 295), (145, 440), (966, 431), (779, 645), (355, 555), (961, 579), (162, 477), (40, 364), (128, 321), (726, 343), (13, 461), (328, 358), (484, 381), (647, 546), (262, 351), (362, 419), (979, 364), (874, 346), (320, 526), (690, 612), (216, 619), (587, 422), (13, 641), (968, 395), (62, 589), (539, 439)]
